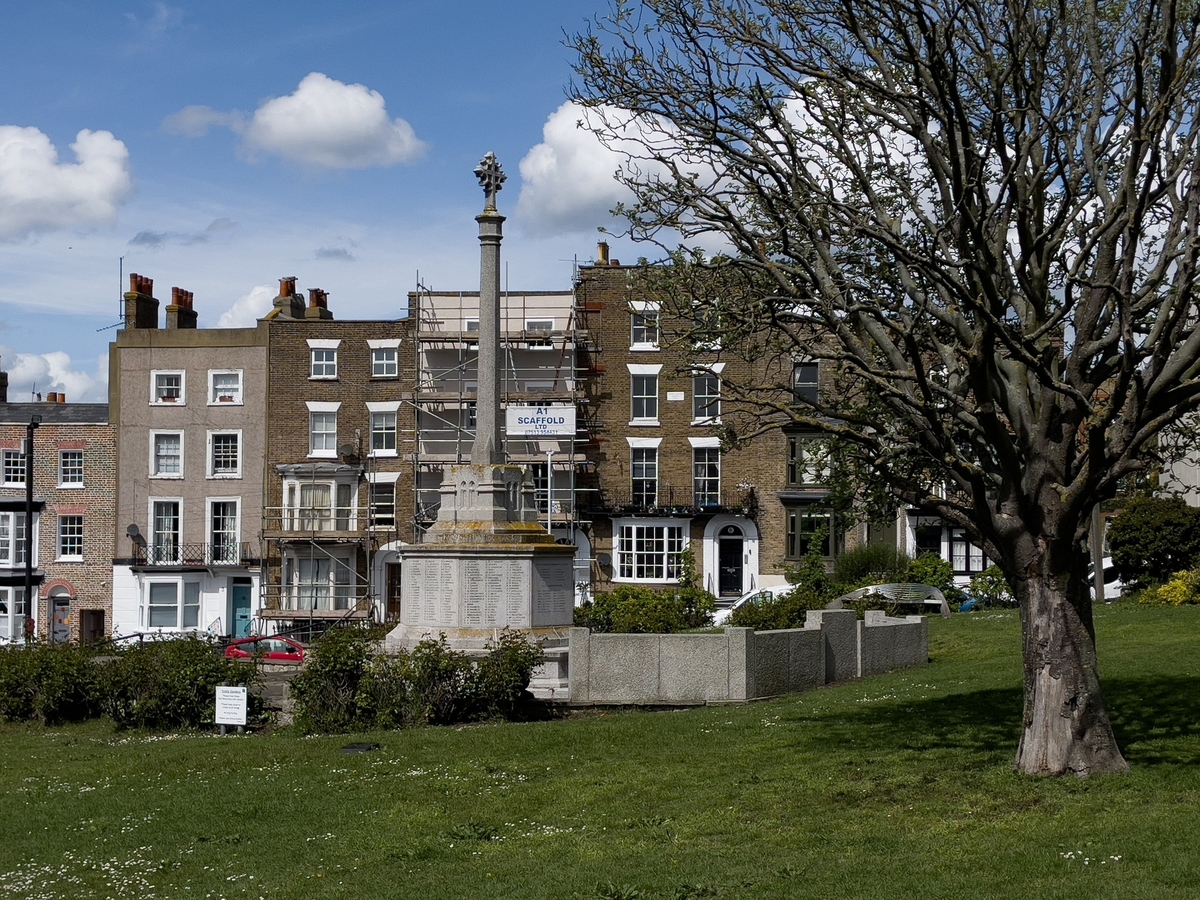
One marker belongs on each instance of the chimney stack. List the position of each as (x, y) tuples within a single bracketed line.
[(602, 253), (141, 309), (289, 304), (318, 305), (180, 313), (3, 386)]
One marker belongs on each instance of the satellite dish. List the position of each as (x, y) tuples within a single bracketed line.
[(133, 531), (605, 559), (346, 450)]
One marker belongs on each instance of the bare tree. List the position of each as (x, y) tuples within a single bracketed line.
[(988, 211)]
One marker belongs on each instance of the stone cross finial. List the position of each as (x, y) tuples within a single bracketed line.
[(491, 178)]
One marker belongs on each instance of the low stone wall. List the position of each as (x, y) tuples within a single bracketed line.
[(739, 664)]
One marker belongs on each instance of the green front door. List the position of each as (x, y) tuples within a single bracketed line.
[(239, 610)]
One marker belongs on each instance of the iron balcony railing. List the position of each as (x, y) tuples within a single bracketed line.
[(668, 500), (221, 553)]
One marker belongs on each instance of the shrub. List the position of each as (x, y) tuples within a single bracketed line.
[(1154, 535), (787, 611), (169, 683), (931, 569), (502, 677), (870, 564), (326, 691), (1183, 588), (345, 686), (991, 587), (52, 683)]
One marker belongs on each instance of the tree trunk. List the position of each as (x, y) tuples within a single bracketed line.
[(1065, 727)]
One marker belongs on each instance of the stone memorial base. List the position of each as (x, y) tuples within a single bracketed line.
[(486, 565)]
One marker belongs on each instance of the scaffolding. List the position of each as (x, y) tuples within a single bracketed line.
[(546, 358)]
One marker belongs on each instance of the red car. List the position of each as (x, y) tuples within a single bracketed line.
[(268, 649)]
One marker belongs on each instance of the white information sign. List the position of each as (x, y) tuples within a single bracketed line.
[(231, 705), (540, 421)]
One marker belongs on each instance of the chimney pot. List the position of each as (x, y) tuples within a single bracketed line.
[(615, 262), (602, 253), (62, 398)]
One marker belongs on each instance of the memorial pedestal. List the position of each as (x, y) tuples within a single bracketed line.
[(485, 565)]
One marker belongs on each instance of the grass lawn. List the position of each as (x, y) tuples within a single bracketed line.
[(895, 786)]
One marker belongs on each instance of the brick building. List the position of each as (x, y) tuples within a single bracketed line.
[(73, 485), (189, 408), (664, 482), (339, 486)]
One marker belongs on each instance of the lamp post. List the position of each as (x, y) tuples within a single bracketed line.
[(30, 609)]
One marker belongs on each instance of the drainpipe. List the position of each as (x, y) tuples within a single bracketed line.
[(30, 609)]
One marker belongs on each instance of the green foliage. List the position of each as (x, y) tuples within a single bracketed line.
[(326, 691), (931, 569), (1152, 536), (788, 611), (169, 683), (1182, 589), (50, 683), (870, 564), (991, 587), (346, 686), (637, 609), (810, 573)]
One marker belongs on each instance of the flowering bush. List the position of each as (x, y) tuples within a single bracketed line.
[(1183, 588)]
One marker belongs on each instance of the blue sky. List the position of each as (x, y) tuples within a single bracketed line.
[(221, 145)]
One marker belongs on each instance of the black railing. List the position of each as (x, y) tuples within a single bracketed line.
[(674, 501), (222, 553)]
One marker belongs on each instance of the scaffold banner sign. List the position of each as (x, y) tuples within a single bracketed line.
[(540, 421)]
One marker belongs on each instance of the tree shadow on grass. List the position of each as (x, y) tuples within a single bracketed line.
[(1144, 711)]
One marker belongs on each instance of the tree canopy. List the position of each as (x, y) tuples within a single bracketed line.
[(982, 214)]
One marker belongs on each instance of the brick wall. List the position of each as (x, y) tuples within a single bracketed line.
[(88, 582)]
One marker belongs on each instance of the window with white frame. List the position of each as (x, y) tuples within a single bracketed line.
[(643, 469), (323, 358), (12, 614), (706, 476), (167, 387), (385, 362), (70, 537), (322, 429), (383, 428), (383, 504), (166, 533), (173, 604), (225, 387), (166, 454), (644, 328), (70, 468), (808, 460), (318, 581), (644, 398), (325, 505), (649, 551), (543, 341), (225, 454), (12, 540), (224, 532), (706, 397), (14, 468)]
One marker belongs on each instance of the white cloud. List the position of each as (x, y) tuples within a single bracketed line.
[(245, 312), (567, 181), (326, 124), (38, 193), (194, 121), (46, 372)]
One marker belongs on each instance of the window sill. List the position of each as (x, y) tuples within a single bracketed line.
[(323, 454), (384, 377), (644, 423), (158, 477), (644, 348), (618, 580), (322, 378), (226, 403), (383, 454), (168, 403), (710, 421), (68, 559), (74, 486), (224, 476)]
